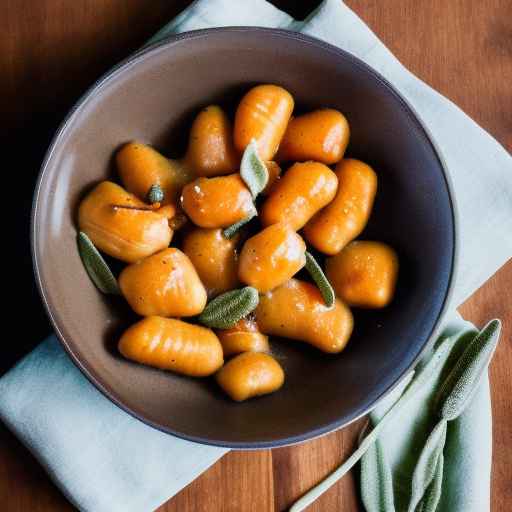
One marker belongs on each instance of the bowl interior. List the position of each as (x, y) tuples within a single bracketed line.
[(153, 97)]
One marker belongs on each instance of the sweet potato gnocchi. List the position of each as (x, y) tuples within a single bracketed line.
[(240, 209)]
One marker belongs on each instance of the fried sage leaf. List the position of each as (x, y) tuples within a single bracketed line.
[(96, 266), (316, 272), (228, 308)]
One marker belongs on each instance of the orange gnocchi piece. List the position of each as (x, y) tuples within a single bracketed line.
[(244, 336), (347, 215), (271, 257), (297, 310), (304, 189), (364, 274), (164, 284), (217, 202), (214, 257), (211, 151), (250, 374), (263, 115), (321, 135), (121, 225), (171, 344), (140, 166)]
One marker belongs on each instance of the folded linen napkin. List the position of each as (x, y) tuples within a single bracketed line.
[(105, 460)]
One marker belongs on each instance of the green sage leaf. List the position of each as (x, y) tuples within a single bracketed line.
[(232, 230), (228, 308), (425, 470), (462, 381), (155, 194), (432, 496), (376, 480), (96, 266), (252, 170), (316, 272)]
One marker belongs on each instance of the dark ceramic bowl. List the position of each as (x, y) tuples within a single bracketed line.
[(153, 96)]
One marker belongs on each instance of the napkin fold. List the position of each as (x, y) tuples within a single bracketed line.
[(105, 460)]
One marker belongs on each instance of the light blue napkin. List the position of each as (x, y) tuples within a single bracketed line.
[(106, 461)]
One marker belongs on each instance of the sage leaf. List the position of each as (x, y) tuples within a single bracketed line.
[(228, 308), (232, 230), (316, 272), (252, 170), (155, 194), (376, 480), (425, 470), (432, 496), (96, 266), (422, 377), (462, 381)]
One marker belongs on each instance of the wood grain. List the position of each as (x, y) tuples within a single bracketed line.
[(51, 50)]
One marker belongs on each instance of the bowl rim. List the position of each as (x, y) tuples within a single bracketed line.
[(59, 325)]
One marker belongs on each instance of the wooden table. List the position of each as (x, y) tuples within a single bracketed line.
[(51, 50)]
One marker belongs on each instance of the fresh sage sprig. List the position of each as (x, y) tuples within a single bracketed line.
[(232, 230), (228, 308), (252, 170), (422, 377), (455, 393), (155, 194), (96, 266), (316, 272)]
